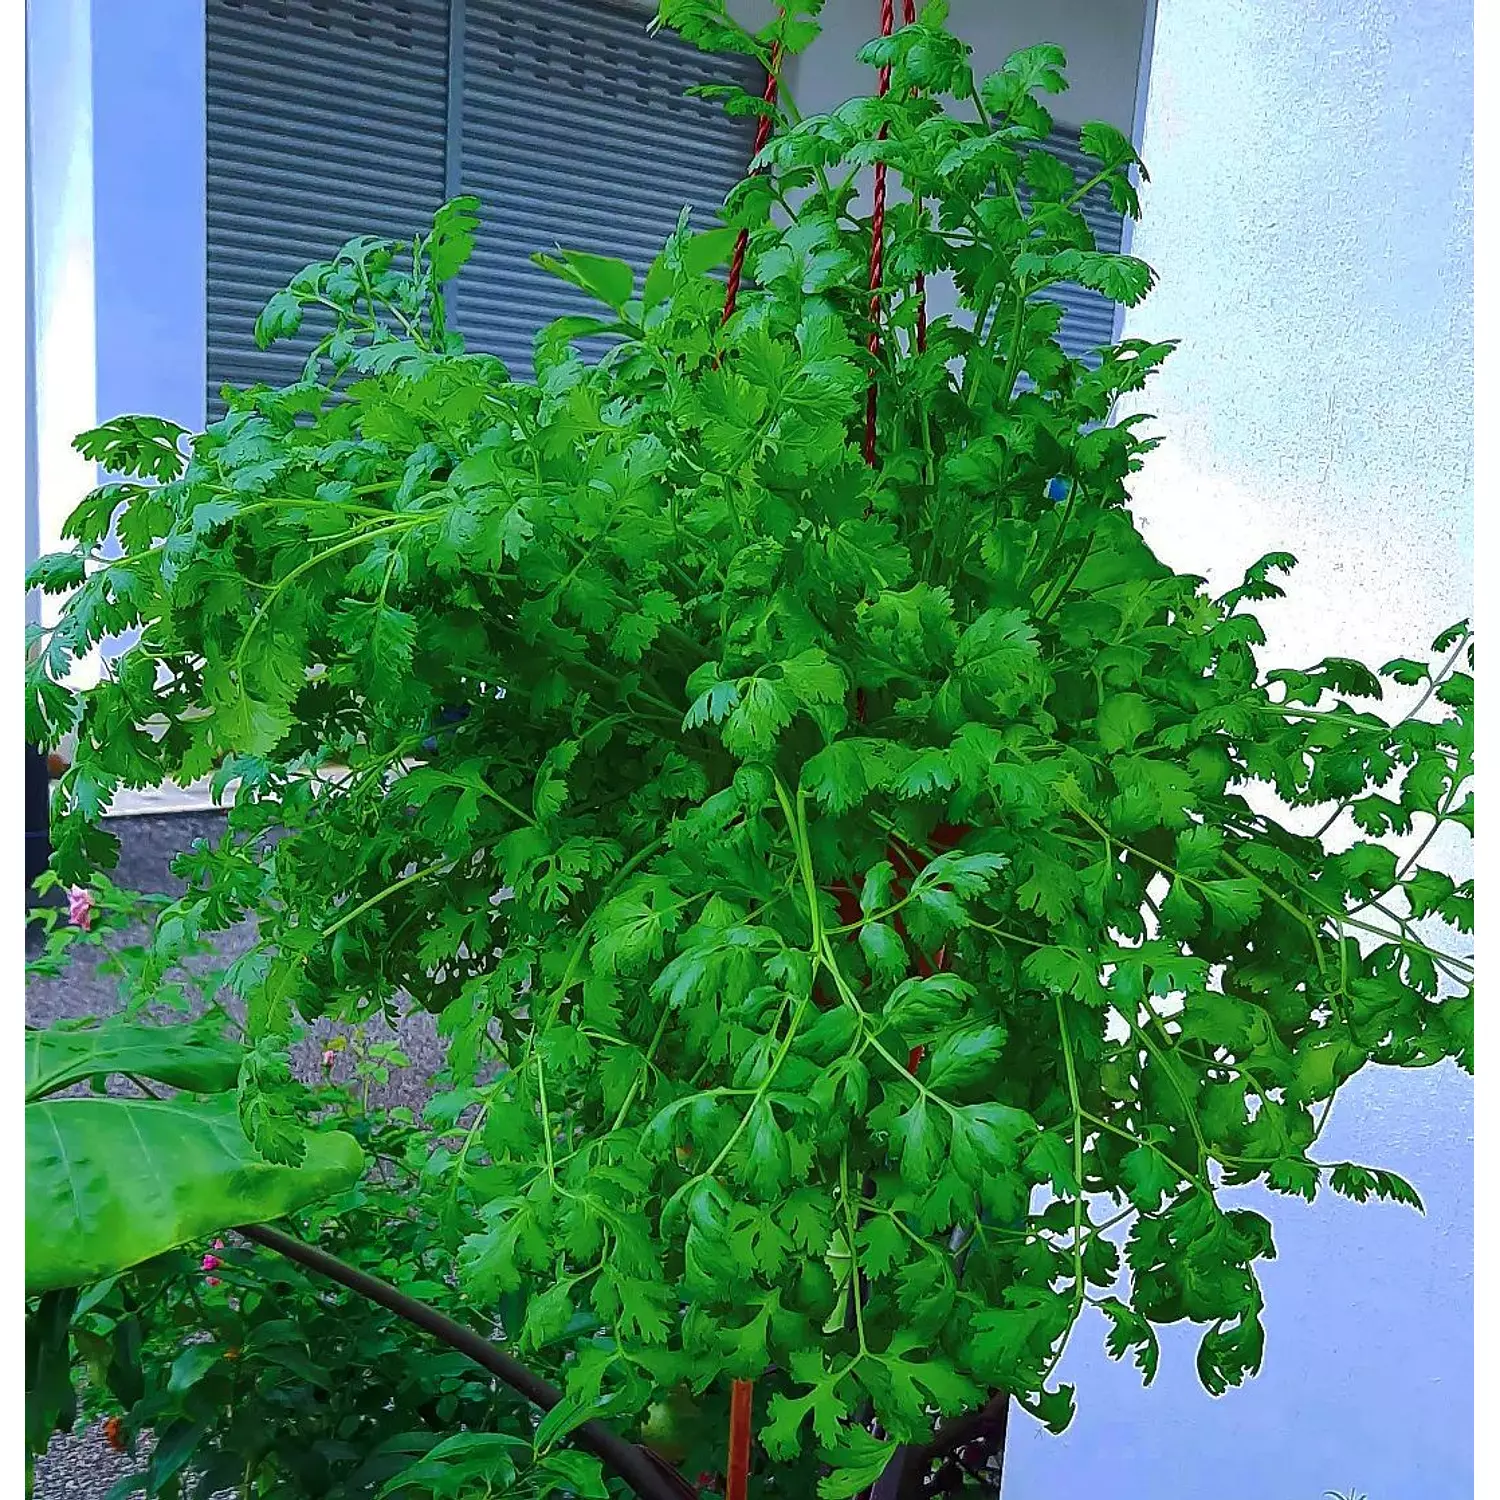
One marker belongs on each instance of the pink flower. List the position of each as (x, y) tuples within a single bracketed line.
[(328, 1058), (80, 907), (218, 1244), (211, 1263)]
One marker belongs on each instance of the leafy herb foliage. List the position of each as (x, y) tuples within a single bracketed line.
[(251, 1378), (693, 772)]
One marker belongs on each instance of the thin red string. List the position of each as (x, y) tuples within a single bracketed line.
[(877, 269), (741, 1392), (909, 18), (762, 135), (877, 240)]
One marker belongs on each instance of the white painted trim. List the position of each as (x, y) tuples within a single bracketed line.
[(1143, 76), (155, 801), (198, 797), (33, 522), (60, 120)]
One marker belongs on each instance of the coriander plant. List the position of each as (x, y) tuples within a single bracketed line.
[(842, 887)]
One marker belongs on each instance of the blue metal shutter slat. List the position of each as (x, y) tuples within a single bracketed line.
[(326, 119), (575, 133)]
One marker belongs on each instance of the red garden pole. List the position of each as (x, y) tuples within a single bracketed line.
[(738, 1478), (742, 1391), (762, 135), (737, 1475), (877, 240), (909, 18)]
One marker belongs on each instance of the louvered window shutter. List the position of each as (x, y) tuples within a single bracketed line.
[(577, 132), (326, 120), (1088, 316), (331, 118)]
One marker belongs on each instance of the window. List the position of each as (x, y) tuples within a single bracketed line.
[(1088, 316), (332, 118)]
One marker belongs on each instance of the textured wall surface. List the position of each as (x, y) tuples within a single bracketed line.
[(1310, 216)]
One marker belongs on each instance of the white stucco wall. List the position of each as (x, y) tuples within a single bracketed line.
[(150, 208), (1310, 215), (115, 209)]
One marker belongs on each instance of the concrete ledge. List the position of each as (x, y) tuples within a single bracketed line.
[(153, 801)]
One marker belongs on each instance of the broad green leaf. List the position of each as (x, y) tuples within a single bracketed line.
[(858, 1459), (459, 1464), (452, 239), (112, 1182), (963, 1057), (1122, 720), (192, 1365), (1147, 1178), (193, 1058), (611, 281)]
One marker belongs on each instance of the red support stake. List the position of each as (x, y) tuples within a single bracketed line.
[(909, 18), (762, 135), (738, 1478), (877, 242)]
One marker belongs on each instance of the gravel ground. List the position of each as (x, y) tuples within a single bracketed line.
[(82, 1463)]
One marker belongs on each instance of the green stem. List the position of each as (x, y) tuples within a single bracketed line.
[(850, 1229), (1177, 1088), (1185, 1173), (380, 896), (541, 1099), (1065, 516), (1067, 583), (635, 1083), (358, 539)]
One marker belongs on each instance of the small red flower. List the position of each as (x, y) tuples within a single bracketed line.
[(80, 907), (114, 1434)]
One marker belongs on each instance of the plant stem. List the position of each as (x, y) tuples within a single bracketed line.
[(646, 1475), (380, 896)]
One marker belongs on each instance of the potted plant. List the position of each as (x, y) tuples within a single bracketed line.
[(858, 955)]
